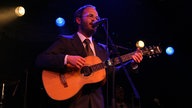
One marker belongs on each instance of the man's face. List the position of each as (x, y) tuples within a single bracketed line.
[(89, 16)]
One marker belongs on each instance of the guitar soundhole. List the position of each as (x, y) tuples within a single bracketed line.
[(86, 71)]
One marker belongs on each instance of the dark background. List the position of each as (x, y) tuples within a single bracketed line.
[(156, 22)]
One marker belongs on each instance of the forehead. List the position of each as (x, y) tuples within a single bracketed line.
[(90, 10)]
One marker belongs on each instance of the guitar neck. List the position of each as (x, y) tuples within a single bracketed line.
[(117, 60), (123, 58), (147, 51)]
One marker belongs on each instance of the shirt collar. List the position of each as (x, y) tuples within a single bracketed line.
[(82, 37)]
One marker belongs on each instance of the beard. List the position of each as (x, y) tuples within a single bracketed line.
[(88, 29)]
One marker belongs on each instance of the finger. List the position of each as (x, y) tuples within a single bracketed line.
[(136, 58), (81, 62), (78, 66)]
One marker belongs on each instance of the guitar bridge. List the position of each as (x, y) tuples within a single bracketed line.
[(64, 82)]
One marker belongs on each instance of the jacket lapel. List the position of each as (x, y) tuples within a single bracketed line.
[(78, 45)]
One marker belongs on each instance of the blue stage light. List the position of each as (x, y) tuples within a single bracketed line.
[(169, 50), (60, 21)]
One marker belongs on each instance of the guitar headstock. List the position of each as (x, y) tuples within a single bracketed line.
[(151, 51)]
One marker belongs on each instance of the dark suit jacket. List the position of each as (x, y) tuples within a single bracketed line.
[(53, 58)]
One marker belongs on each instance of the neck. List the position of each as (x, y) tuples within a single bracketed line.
[(87, 34)]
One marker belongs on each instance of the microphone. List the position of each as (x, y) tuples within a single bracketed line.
[(97, 23)]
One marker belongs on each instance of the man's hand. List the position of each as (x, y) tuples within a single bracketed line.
[(137, 56), (76, 61)]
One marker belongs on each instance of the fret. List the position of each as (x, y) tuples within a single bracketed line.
[(97, 66), (124, 58)]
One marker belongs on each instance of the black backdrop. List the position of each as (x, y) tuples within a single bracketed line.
[(159, 22)]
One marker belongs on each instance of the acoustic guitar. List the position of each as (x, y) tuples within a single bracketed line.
[(63, 86)]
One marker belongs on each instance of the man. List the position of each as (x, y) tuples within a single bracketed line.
[(70, 51)]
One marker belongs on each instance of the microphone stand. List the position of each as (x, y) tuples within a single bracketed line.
[(108, 38), (105, 26)]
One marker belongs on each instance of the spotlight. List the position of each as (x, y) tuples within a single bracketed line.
[(169, 50), (19, 11), (140, 44), (60, 21)]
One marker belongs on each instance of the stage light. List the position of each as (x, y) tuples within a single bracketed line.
[(19, 11), (60, 21), (9, 14), (170, 50), (140, 44)]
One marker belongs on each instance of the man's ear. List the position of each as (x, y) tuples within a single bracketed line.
[(78, 20)]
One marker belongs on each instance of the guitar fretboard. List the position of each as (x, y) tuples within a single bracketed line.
[(124, 58), (98, 66)]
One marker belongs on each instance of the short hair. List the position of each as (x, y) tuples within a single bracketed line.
[(79, 12)]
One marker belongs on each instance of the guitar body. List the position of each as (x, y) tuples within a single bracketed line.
[(64, 86)]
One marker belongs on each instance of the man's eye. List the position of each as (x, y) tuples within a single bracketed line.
[(90, 15)]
